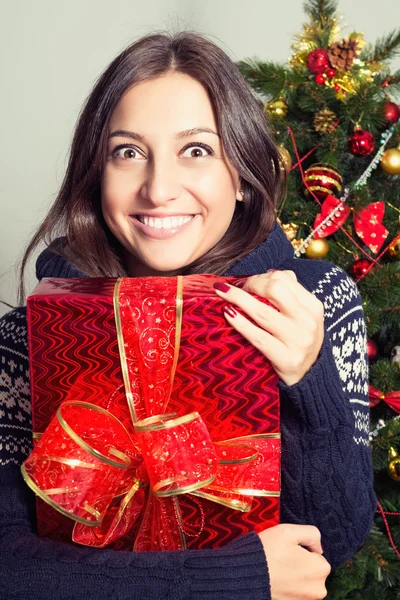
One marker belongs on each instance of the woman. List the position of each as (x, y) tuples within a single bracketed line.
[(173, 170)]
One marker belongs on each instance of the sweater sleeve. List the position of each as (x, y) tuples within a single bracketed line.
[(36, 568), (328, 476)]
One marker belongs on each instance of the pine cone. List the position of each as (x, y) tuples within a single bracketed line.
[(341, 54), (324, 121)]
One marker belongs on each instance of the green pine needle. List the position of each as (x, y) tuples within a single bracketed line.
[(320, 10), (386, 48)]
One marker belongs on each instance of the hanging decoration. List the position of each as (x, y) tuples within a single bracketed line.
[(342, 54), (317, 249), (395, 356), (392, 399), (391, 111), (394, 248), (367, 222), (394, 464), (372, 351), (361, 143), (276, 108), (325, 121), (285, 156), (360, 267), (390, 161), (290, 230), (322, 179), (318, 61)]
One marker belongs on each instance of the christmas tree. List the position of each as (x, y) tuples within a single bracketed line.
[(337, 127)]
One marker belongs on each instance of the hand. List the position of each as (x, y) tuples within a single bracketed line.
[(297, 569), (291, 338)]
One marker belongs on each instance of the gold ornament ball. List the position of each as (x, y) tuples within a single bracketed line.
[(317, 249), (390, 161), (285, 156), (394, 464), (276, 108), (394, 248)]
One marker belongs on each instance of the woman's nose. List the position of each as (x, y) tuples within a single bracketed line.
[(161, 183)]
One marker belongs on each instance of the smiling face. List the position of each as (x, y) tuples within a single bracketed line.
[(168, 189)]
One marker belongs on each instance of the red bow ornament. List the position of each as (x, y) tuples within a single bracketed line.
[(392, 399), (367, 221)]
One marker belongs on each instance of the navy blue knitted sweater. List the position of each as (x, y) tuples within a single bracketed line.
[(326, 464)]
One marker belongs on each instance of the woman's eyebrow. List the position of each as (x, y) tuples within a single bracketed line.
[(181, 134)]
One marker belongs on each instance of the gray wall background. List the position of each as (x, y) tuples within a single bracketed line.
[(52, 51)]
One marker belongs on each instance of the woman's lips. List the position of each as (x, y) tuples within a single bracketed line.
[(161, 234)]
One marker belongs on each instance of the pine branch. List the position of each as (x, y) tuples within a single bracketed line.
[(382, 284), (265, 77), (386, 48), (320, 10), (395, 78), (394, 81), (383, 375)]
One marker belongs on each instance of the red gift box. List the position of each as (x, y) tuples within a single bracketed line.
[(156, 425)]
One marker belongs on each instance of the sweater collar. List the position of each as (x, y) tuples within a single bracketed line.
[(273, 253)]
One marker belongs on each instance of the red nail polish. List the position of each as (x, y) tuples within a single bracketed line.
[(240, 284), (221, 287), (230, 311)]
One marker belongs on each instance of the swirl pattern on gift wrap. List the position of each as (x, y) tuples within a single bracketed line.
[(148, 315), (219, 374)]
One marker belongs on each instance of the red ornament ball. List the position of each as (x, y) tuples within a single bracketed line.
[(360, 267), (331, 73), (318, 61), (372, 351), (361, 143), (322, 179), (392, 112), (319, 78), (337, 87)]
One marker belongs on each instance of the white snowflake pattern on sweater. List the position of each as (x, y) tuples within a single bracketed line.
[(15, 403), (347, 331)]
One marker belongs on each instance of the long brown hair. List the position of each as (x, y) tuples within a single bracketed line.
[(76, 212)]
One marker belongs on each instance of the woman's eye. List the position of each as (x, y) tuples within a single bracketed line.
[(126, 153), (197, 151)]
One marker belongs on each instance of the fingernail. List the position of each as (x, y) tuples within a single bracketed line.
[(271, 270), (230, 311), (241, 284), (221, 287)]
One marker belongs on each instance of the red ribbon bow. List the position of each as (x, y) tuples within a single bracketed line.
[(367, 221), (392, 399), (88, 467)]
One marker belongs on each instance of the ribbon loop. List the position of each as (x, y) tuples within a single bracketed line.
[(367, 221), (178, 453), (100, 488), (392, 399)]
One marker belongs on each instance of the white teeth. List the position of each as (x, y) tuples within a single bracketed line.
[(165, 223)]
